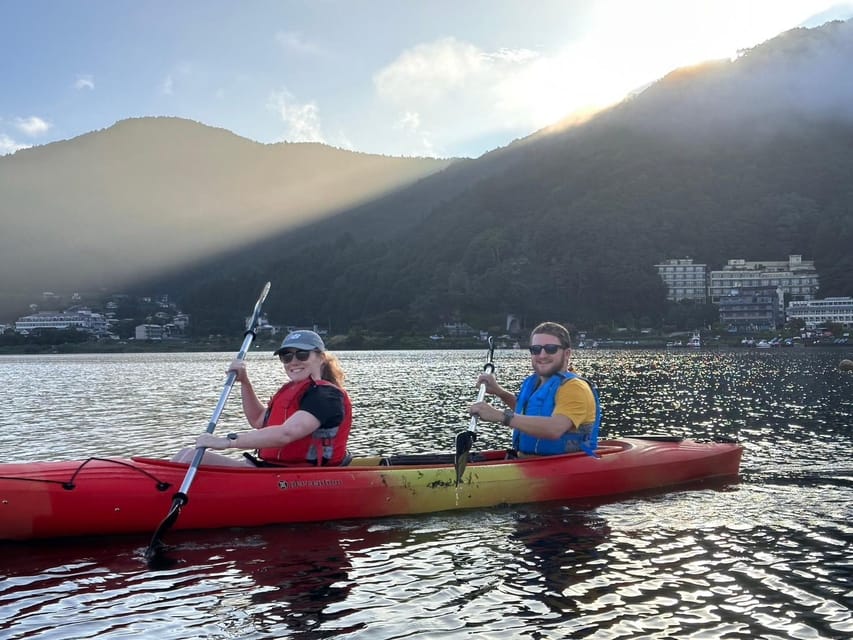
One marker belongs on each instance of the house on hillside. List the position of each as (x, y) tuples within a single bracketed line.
[(149, 332)]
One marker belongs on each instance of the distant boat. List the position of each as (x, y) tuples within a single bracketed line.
[(762, 344), (695, 341)]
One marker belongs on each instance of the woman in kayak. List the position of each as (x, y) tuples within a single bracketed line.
[(556, 411), (307, 422)]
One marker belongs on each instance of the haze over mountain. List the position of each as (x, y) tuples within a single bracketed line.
[(149, 195), (749, 158)]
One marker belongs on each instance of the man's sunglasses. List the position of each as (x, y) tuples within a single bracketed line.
[(550, 349), (301, 355)]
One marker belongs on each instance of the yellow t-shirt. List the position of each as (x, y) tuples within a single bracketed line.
[(575, 401)]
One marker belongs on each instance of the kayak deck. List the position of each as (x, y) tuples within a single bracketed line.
[(101, 496)]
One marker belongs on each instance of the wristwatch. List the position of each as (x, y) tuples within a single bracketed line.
[(233, 439), (509, 414)]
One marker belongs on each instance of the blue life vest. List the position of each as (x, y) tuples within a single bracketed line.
[(540, 401)]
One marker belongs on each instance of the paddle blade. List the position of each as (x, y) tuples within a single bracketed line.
[(464, 440), (156, 558), (154, 552)]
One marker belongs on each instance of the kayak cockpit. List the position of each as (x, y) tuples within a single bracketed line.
[(605, 448)]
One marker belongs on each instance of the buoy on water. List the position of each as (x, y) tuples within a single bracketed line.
[(846, 365)]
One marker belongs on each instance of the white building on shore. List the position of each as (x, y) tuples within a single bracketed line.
[(816, 313), (82, 319)]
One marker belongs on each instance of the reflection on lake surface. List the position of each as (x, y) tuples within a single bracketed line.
[(767, 557)]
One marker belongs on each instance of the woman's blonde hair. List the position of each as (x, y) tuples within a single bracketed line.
[(332, 370)]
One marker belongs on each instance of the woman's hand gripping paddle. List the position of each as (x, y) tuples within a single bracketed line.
[(155, 549), (464, 439)]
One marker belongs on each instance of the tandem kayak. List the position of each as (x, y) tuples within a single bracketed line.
[(107, 496)]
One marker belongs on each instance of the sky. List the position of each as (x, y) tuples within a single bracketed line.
[(442, 78)]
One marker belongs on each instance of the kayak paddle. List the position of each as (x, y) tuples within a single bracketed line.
[(464, 439), (154, 551)]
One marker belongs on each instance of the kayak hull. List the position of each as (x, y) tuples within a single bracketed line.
[(107, 496)]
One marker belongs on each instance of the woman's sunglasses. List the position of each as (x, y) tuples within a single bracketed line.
[(301, 355), (550, 349)]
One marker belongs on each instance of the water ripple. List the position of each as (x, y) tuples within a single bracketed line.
[(766, 557)]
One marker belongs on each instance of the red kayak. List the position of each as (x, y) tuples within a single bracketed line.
[(103, 496)]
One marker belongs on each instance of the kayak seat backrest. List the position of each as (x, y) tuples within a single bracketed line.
[(263, 463)]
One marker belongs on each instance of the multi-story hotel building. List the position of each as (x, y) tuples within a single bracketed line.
[(753, 309), (797, 278), (684, 280), (82, 319), (816, 313)]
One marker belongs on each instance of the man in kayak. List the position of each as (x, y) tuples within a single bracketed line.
[(307, 422), (556, 411)]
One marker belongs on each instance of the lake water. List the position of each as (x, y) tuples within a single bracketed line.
[(766, 557)]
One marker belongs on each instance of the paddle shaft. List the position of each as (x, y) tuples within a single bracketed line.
[(181, 498), (481, 395), (248, 337), (211, 426), (464, 439)]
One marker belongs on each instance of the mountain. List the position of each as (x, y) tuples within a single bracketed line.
[(749, 158), (149, 195)]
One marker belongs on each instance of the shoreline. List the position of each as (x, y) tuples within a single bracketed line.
[(340, 343)]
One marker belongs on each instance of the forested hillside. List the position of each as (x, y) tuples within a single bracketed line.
[(149, 195), (750, 158)]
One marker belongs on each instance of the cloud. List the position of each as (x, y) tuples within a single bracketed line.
[(430, 72), (181, 71), (410, 121), (167, 86), (84, 82), (302, 120), (7, 145), (419, 140), (295, 42), (513, 55), (32, 126), (461, 91)]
